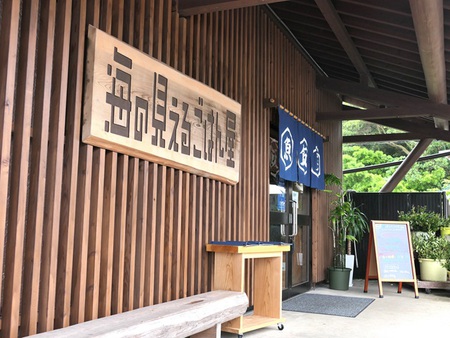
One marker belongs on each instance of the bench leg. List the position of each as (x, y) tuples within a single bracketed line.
[(213, 332)]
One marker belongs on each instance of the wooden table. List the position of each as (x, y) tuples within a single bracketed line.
[(229, 274)]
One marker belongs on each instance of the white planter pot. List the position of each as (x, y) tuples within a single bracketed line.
[(349, 263), (432, 270)]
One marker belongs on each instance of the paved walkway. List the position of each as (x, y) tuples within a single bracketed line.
[(394, 315)]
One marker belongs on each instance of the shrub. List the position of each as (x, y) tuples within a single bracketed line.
[(422, 220), (430, 246)]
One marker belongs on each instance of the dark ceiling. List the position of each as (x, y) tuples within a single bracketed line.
[(397, 46), (382, 32), (388, 56)]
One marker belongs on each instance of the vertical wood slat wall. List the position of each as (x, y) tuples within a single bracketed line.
[(85, 232)]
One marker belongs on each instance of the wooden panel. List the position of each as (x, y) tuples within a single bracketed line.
[(101, 237), (78, 283), (160, 211), (91, 232), (198, 235), (119, 235), (192, 235), (18, 164), (168, 237), (130, 235), (22, 129), (118, 15), (151, 237), (70, 174), (267, 295), (141, 234), (175, 282), (185, 226), (54, 166), (109, 202), (95, 228), (107, 235)]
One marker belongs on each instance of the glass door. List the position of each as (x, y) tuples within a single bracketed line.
[(290, 222)]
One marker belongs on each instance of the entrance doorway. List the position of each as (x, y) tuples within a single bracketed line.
[(290, 222)]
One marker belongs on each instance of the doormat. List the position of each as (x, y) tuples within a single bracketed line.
[(327, 304)]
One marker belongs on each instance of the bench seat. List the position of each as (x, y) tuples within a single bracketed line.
[(201, 314)]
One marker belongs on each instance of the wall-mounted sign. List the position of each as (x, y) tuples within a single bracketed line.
[(139, 106)]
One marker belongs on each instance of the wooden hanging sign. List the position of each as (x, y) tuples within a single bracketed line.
[(390, 256), (141, 107)]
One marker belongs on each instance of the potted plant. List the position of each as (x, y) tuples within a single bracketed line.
[(447, 266), (445, 229), (348, 224), (421, 220), (433, 253), (356, 228)]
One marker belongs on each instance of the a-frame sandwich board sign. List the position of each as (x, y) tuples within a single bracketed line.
[(390, 255)]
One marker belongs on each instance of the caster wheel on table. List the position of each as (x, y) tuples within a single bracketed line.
[(280, 326)]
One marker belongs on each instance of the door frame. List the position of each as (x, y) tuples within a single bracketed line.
[(279, 218)]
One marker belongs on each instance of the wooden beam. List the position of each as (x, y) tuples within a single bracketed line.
[(428, 17), (365, 93), (192, 7), (421, 127), (409, 161), (381, 113), (395, 163), (355, 90), (348, 101), (429, 27), (382, 97), (381, 138), (335, 22)]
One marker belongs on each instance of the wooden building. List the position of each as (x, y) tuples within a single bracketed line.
[(87, 232)]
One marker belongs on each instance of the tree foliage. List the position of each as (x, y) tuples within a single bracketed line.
[(429, 175)]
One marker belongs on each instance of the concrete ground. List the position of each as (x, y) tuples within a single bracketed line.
[(394, 315)]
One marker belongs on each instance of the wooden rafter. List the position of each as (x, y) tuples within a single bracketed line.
[(403, 169), (381, 137), (421, 127), (384, 113), (335, 22), (429, 27), (395, 163), (377, 96), (192, 7)]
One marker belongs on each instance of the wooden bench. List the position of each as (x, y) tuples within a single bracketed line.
[(198, 316)]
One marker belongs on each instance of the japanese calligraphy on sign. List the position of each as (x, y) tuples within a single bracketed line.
[(141, 107)]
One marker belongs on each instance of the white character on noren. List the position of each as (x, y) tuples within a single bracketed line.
[(287, 148), (303, 160), (315, 168)]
